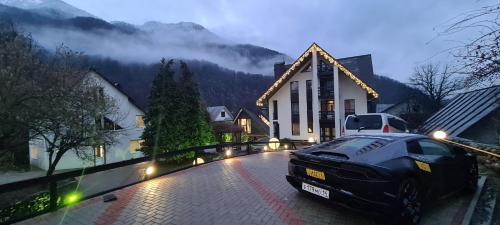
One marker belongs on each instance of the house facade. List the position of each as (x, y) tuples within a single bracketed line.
[(312, 97), (128, 125), (252, 126), (222, 122)]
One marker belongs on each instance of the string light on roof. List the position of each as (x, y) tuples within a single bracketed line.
[(327, 57)]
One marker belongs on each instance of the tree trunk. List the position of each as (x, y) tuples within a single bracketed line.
[(53, 184), (53, 164)]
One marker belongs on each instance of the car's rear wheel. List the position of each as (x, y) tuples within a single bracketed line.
[(410, 202), (472, 178)]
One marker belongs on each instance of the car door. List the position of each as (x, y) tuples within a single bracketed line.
[(463, 161), (444, 165)]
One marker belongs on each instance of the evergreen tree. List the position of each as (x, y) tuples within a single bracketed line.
[(195, 118), (162, 125), (176, 118)]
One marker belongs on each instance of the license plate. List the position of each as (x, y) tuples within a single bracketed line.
[(316, 190), (316, 174)]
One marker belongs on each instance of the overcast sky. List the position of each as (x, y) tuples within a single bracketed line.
[(398, 34)]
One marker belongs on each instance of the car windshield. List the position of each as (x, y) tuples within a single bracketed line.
[(365, 122)]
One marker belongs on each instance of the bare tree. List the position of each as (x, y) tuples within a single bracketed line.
[(479, 56), (70, 116), (52, 98), (436, 82), (20, 69)]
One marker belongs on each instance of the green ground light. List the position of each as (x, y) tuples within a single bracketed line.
[(72, 198)]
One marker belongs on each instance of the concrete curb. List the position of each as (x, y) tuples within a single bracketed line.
[(470, 210), (490, 210)]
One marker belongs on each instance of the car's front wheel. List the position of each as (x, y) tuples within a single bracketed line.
[(410, 202)]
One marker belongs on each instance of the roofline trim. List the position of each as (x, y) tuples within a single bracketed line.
[(289, 72), (129, 99)]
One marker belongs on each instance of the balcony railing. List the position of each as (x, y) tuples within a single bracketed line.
[(327, 115), (326, 93)]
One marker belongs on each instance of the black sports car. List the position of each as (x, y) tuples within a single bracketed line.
[(385, 174)]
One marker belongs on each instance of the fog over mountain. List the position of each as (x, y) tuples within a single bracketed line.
[(229, 73), (52, 22), (55, 8)]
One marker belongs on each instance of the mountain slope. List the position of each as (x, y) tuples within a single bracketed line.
[(218, 86), (145, 43), (128, 54), (55, 8)]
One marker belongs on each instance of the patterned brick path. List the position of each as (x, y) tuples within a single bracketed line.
[(245, 190)]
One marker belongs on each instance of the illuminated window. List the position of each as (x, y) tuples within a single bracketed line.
[(136, 145), (245, 125), (139, 121), (34, 152), (99, 151)]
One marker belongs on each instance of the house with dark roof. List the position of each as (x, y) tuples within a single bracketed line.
[(128, 122), (473, 115), (222, 123), (252, 126), (219, 114), (311, 98)]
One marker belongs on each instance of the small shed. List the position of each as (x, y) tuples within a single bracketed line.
[(474, 115)]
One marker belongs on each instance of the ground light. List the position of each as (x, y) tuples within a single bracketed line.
[(150, 170), (198, 161), (72, 198), (274, 143), (311, 140), (285, 146), (229, 153), (442, 136)]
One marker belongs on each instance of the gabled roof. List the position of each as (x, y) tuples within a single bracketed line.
[(360, 65), (258, 126), (214, 112), (299, 63), (463, 111), (383, 107), (117, 87)]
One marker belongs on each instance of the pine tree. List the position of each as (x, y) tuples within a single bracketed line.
[(176, 118), (195, 117), (162, 127)]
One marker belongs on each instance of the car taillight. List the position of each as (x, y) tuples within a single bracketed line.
[(386, 129)]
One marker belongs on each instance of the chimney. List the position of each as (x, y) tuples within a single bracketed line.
[(279, 69)]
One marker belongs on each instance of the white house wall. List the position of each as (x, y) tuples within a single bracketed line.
[(284, 107), (349, 90), (346, 89), (125, 118)]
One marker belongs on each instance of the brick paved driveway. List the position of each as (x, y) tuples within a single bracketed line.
[(245, 190)]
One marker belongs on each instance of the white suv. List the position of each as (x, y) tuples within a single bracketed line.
[(374, 123)]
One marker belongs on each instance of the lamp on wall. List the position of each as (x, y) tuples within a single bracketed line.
[(443, 136)]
